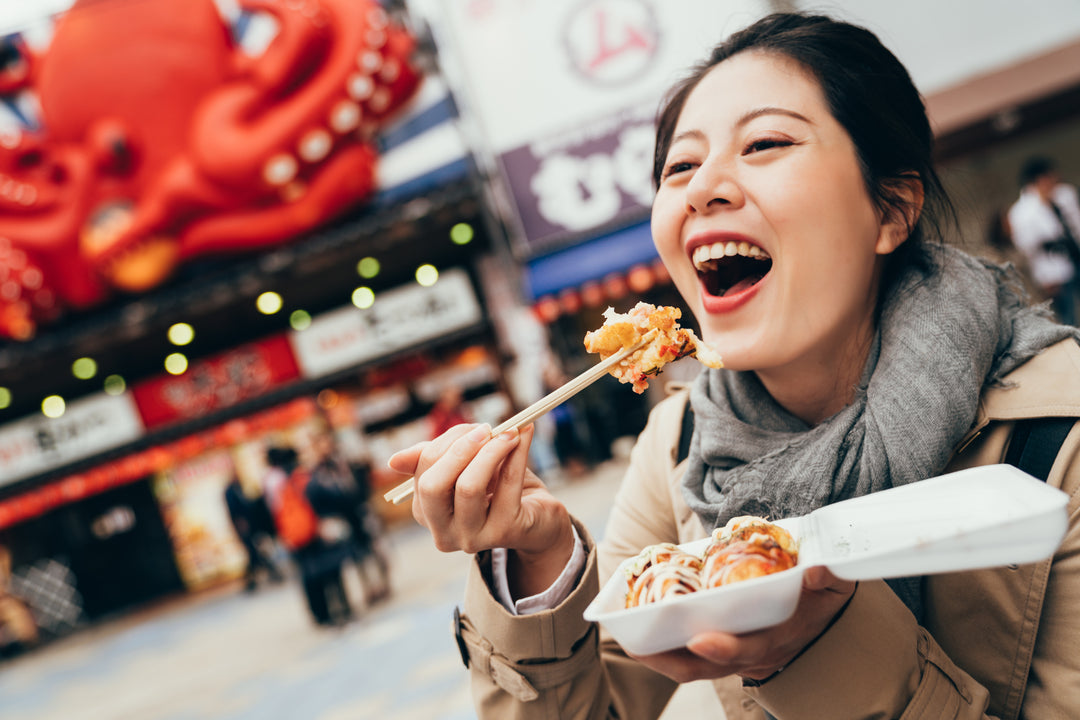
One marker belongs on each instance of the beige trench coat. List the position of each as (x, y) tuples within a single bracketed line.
[(997, 643)]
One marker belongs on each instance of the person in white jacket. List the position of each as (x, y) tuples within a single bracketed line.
[(1045, 226)]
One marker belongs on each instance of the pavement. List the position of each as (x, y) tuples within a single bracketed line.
[(229, 655)]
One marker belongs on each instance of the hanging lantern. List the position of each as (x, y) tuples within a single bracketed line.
[(592, 294), (615, 286), (660, 272), (640, 278), (569, 301), (547, 309)]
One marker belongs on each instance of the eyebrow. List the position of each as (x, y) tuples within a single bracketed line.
[(771, 110), (747, 117)]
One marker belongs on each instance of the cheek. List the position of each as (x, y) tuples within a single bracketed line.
[(666, 230), (666, 226)]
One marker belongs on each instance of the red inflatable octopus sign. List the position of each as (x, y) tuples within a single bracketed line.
[(161, 139)]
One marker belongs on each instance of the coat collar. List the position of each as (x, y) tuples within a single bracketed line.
[(1047, 385)]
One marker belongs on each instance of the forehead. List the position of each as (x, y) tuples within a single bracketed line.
[(749, 81)]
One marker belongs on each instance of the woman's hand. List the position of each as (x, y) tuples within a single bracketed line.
[(758, 655), (474, 492)]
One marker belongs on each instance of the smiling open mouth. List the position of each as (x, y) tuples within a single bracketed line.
[(728, 268)]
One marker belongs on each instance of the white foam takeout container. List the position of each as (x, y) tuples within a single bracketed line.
[(982, 517)]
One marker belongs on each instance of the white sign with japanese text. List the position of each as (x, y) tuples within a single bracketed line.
[(399, 319), (88, 426)]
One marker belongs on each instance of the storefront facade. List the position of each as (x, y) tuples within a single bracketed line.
[(350, 329), (497, 236)]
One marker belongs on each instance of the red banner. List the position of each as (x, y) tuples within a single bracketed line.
[(246, 372), (137, 466)]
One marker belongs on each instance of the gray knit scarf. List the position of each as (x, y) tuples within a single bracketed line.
[(944, 335)]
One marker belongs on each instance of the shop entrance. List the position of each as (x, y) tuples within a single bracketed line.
[(120, 551)]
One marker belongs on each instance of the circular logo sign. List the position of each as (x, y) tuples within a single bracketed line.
[(611, 42)]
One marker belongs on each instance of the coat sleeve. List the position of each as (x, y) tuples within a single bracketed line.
[(875, 662), (554, 665)]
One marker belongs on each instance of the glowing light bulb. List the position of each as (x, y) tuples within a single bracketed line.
[(115, 385), (53, 406), (268, 303), (300, 320), (363, 297), (462, 234), (427, 275), (84, 368), (176, 364), (368, 268), (181, 334)]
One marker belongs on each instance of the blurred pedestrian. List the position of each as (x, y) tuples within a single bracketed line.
[(569, 448), (1001, 249), (1045, 226), (243, 514), (449, 410), (344, 492), (294, 502)]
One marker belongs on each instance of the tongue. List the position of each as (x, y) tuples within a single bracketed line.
[(744, 284)]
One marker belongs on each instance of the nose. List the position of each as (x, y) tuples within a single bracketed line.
[(713, 186)]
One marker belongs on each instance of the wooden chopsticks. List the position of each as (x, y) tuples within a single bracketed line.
[(543, 405)]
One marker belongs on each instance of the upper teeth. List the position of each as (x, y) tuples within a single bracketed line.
[(704, 253)]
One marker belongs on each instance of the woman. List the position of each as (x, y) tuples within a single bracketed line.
[(861, 354)]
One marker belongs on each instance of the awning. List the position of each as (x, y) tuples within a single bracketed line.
[(591, 260), (595, 271)]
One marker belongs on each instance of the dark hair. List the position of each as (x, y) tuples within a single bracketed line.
[(282, 457), (1034, 168), (870, 94)]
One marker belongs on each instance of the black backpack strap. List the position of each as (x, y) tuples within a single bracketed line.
[(1035, 443), (686, 433)]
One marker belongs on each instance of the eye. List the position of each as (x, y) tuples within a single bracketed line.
[(675, 168), (765, 144)]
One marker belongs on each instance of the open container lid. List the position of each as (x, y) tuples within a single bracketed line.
[(981, 517)]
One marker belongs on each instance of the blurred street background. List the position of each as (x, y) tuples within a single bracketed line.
[(233, 655), (336, 228)]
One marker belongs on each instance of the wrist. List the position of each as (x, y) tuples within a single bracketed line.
[(532, 572)]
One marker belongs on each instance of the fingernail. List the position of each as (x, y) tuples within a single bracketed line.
[(509, 436), (480, 432)]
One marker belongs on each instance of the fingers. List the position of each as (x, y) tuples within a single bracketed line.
[(759, 654), (819, 578), (472, 500), (404, 461), (681, 666), (471, 487), (407, 461), (506, 494), (431, 490), (755, 655)]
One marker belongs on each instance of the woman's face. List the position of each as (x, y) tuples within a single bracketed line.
[(764, 222)]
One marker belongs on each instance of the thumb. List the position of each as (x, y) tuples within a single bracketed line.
[(820, 577), (405, 461)]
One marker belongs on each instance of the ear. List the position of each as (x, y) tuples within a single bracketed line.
[(904, 206)]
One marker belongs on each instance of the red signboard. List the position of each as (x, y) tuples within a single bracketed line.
[(243, 373), (137, 466)]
